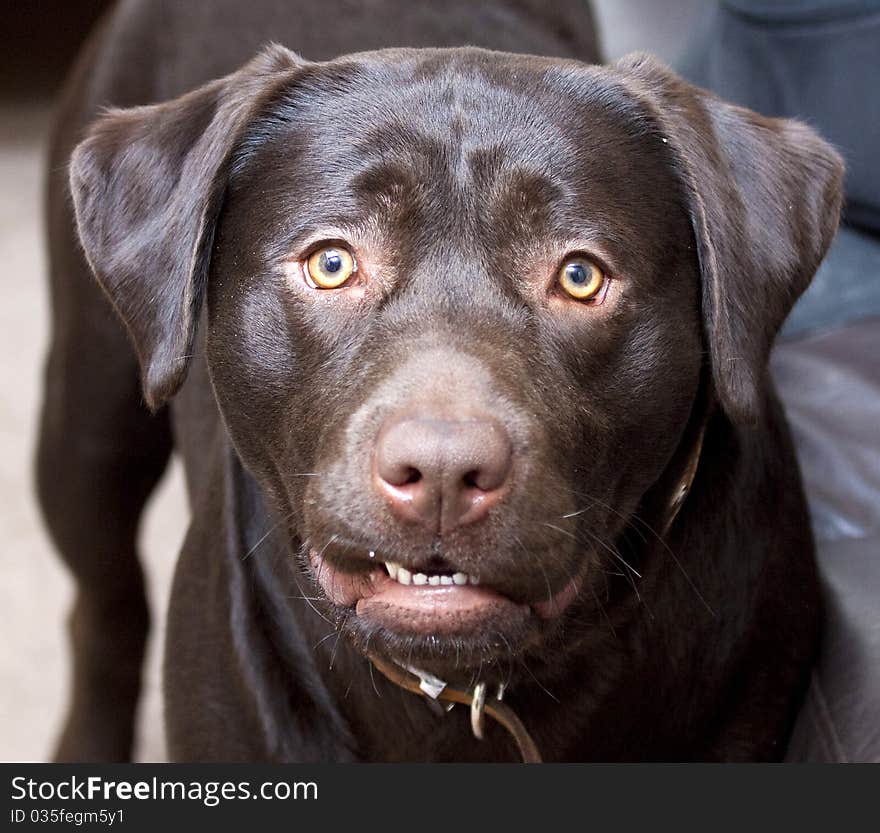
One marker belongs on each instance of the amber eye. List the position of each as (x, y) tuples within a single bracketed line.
[(581, 278), (330, 267)]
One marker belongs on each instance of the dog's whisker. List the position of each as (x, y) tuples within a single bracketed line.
[(616, 554), (600, 542), (636, 519), (332, 539), (336, 646), (370, 666), (614, 551), (318, 612), (323, 639), (540, 566), (510, 659), (537, 682), (594, 501), (303, 557), (479, 674), (630, 572), (263, 537), (547, 583), (678, 564), (604, 612), (563, 531), (690, 581), (633, 519), (310, 603)]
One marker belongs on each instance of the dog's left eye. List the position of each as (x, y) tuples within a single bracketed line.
[(329, 267), (580, 278)]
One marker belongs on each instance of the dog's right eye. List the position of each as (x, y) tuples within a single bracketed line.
[(329, 267), (581, 279)]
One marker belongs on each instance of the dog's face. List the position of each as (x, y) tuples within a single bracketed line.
[(501, 362), (459, 305)]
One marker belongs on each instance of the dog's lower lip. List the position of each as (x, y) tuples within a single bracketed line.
[(428, 609), (435, 610)]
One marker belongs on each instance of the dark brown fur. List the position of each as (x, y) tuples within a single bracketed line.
[(461, 177)]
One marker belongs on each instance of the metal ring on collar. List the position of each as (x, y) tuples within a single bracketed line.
[(477, 706)]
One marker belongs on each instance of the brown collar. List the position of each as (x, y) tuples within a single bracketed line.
[(477, 701), (684, 469)]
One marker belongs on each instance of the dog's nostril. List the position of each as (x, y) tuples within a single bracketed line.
[(472, 479)]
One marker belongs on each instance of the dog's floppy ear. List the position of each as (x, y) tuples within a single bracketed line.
[(147, 186), (764, 197)]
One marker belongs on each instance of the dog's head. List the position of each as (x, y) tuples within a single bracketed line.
[(460, 308)]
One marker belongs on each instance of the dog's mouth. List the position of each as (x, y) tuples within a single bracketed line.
[(442, 603)]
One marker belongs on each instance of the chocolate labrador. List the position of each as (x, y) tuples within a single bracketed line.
[(465, 355)]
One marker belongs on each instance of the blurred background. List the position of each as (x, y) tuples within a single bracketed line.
[(40, 39)]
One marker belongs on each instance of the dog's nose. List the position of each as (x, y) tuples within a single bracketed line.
[(442, 473)]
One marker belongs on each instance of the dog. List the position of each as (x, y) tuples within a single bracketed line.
[(464, 351)]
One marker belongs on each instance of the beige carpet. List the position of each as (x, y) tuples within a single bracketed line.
[(35, 592)]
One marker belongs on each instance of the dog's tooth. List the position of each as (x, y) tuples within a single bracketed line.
[(459, 578), (404, 576), (473, 580), (419, 578), (392, 568), (433, 580), (445, 579)]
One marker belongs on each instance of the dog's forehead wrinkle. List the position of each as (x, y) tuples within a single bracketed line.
[(469, 206)]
